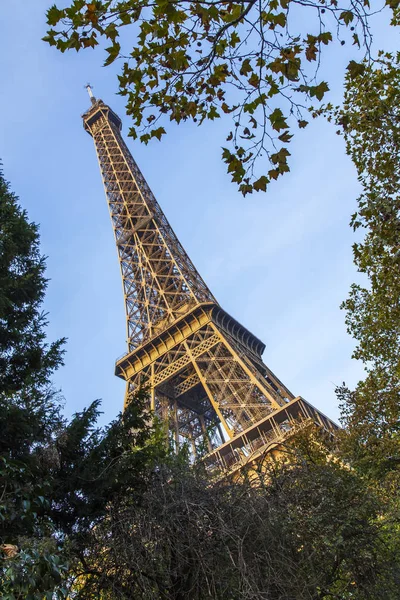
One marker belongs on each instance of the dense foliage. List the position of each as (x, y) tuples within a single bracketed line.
[(370, 119), (25, 359), (307, 530), (29, 410), (256, 60)]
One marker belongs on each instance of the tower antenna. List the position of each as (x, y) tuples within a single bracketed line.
[(90, 92)]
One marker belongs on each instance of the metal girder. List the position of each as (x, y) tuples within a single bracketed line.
[(186, 385)]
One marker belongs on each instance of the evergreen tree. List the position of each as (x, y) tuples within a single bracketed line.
[(26, 360), (29, 408)]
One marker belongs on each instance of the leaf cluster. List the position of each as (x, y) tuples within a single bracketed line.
[(200, 60)]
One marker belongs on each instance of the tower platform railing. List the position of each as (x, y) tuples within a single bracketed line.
[(247, 446)]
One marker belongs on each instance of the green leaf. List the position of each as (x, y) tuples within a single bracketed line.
[(111, 31), (355, 69), (277, 120), (254, 80), (234, 40), (145, 138), (261, 184), (280, 158), (246, 67), (347, 16), (213, 113), (50, 39), (233, 14), (113, 52), (325, 37), (285, 137), (226, 155), (54, 15), (280, 19), (157, 133), (311, 52), (319, 90), (273, 173)]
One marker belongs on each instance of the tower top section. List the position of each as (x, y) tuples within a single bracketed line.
[(94, 116)]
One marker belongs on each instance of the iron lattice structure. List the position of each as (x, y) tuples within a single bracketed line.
[(204, 369)]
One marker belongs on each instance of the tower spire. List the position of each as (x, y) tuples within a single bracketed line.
[(90, 92), (204, 369)]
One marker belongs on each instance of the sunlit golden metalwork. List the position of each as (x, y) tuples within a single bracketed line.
[(204, 369)]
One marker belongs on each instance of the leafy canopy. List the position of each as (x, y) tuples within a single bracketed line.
[(309, 529), (370, 120), (255, 60)]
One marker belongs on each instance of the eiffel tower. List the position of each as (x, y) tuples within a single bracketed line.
[(204, 369)]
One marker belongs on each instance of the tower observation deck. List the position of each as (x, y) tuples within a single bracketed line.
[(204, 370)]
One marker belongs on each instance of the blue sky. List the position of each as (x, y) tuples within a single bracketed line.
[(280, 262)]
